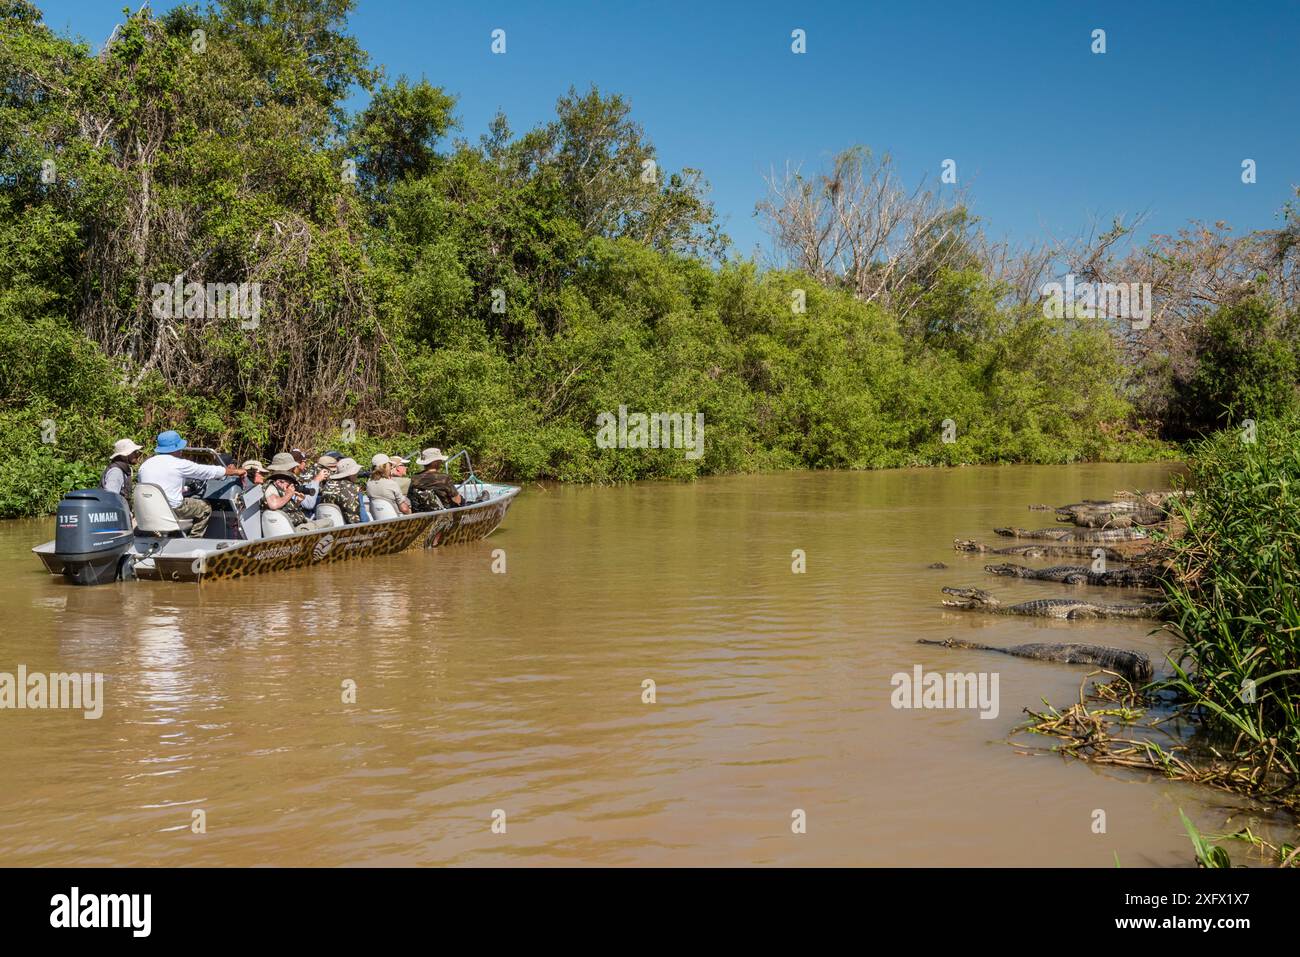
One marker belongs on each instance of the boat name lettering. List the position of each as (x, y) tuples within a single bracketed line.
[(360, 540), (279, 552)]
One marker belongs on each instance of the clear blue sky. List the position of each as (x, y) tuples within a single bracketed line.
[(1046, 135)]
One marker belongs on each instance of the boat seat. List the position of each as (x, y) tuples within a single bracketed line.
[(382, 508), (331, 512), (275, 523), (154, 514)]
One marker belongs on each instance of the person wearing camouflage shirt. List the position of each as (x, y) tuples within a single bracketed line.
[(341, 489), (284, 496)]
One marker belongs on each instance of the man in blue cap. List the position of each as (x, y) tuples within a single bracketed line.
[(170, 472)]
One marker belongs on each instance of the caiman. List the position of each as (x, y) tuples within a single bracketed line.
[(1133, 665), (1072, 608), (1043, 551), (1077, 534), (1141, 577), (1116, 505), (1121, 514)]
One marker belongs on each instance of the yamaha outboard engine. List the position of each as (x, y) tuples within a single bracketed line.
[(93, 536)]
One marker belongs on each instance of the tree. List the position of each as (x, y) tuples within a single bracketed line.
[(396, 136), (1245, 369), (606, 177), (857, 225)]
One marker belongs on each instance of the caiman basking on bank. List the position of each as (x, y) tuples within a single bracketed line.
[(1077, 534), (1119, 514), (1072, 608), (1043, 551), (1080, 575), (1133, 665)]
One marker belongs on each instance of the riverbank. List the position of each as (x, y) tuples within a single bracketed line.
[(47, 472), (1233, 698)]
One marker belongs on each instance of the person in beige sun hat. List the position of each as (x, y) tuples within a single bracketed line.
[(310, 474), (341, 489), (321, 470), (256, 473), (283, 494), (433, 489), (282, 464), (312, 477), (430, 457)]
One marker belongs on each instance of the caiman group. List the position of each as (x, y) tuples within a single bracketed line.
[(1125, 531)]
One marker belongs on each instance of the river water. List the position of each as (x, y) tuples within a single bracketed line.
[(516, 698)]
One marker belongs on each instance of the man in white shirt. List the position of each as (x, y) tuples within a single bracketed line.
[(170, 473)]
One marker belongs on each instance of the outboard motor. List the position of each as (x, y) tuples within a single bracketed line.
[(93, 536)]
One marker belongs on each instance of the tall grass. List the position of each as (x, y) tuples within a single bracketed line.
[(1234, 597)]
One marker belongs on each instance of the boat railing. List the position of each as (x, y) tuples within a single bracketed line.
[(470, 479), (204, 456)]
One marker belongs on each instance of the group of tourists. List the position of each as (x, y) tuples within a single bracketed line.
[(291, 483)]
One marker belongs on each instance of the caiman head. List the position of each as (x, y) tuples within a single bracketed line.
[(967, 545), (970, 598)]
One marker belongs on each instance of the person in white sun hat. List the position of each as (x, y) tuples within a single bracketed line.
[(117, 477)]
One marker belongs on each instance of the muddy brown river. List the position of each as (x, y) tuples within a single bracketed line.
[(501, 717)]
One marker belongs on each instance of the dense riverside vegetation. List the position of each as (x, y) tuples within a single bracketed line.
[(498, 294), (1235, 603)]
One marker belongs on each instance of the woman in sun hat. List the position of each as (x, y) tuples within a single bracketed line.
[(383, 485)]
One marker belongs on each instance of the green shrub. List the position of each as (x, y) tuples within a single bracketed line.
[(1237, 610)]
